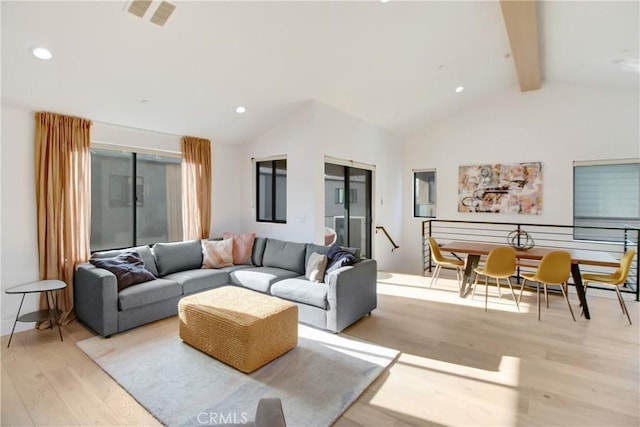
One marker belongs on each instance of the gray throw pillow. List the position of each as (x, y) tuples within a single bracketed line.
[(315, 267), (128, 268), (178, 256)]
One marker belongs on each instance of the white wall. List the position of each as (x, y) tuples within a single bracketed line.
[(19, 244), (555, 125), (19, 250), (314, 131)]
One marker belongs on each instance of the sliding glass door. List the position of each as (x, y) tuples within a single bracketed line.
[(348, 205)]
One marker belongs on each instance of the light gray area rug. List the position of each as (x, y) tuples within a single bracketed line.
[(181, 386)]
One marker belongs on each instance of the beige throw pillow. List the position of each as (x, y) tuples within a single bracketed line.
[(242, 246), (315, 267), (217, 253)]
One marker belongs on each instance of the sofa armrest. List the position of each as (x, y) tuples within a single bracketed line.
[(96, 298), (352, 294)]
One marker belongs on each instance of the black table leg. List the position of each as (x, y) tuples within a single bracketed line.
[(577, 280), (54, 300), (469, 274), (16, 321)]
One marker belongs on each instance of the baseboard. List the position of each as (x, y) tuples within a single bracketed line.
[(5, 328)]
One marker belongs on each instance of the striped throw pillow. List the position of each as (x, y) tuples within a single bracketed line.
[(217, 253)]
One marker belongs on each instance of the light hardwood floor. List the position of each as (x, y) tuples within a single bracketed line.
[(458, 365)]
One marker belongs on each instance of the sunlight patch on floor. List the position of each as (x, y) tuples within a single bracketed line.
[(488, 397), (445, 290)]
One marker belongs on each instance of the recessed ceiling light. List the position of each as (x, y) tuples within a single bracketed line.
[(384, 1), (144, 101), (459, 89), (41, 53), (240, 110)]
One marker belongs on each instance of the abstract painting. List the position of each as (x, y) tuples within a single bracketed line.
[(501, 188)]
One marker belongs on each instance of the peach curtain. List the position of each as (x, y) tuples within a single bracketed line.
[(196, 187), (174, 202), (63, 194)]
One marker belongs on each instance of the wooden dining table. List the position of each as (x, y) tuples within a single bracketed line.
[(474, 250)]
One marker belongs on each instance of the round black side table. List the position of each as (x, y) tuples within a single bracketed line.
[(53, 314)]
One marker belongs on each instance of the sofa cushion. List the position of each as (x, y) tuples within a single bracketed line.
[(258, 251), (242, 247), (313, 248), (199, 280), (285, 255), (217, 253), (316, 265), (301, 290), (233, 268), (177, 256), (144, 252), (260, 278), (128, 268), (148, 293)]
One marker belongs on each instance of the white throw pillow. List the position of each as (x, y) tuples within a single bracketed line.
[(315, 267), (217, 253)]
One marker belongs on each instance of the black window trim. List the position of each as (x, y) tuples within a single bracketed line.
[(272, 161), (413, 191), (134, 171)]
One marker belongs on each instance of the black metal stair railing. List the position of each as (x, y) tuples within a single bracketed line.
[(384, 230)]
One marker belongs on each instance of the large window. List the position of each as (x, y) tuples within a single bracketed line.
[(424, 194), (129, 212), (605, 195), (271, 190)]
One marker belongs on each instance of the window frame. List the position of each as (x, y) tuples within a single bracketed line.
[(435, 192), (136, 201), (274, 191), (598, 232)]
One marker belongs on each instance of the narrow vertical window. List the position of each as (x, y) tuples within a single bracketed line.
[(271, 191), (424, 194)]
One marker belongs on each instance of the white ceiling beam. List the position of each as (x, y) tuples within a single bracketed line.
[(522, 29)]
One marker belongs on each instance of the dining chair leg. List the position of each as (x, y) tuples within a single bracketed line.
[(538, 293), (521, 290), (624, 306), (460, 275), (514, 294), (486, 292), (546, 297), (499, 291), (475, 285), (618, 295), (566, 297), (436, 272)]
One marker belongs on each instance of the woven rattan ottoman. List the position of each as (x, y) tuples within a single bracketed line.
[(239, 327)]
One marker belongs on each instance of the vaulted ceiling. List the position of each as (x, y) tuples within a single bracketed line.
[(395, 65)]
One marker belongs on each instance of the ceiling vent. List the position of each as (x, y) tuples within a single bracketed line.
[(161, 14), (139, 7)]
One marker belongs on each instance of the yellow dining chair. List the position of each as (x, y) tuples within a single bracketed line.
[(615, 279), (554, 269), (500, 264), (441, 261)]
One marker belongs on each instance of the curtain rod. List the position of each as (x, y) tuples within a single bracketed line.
[(136, 128)]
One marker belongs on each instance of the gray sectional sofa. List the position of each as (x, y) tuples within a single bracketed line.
[(277, 268)]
